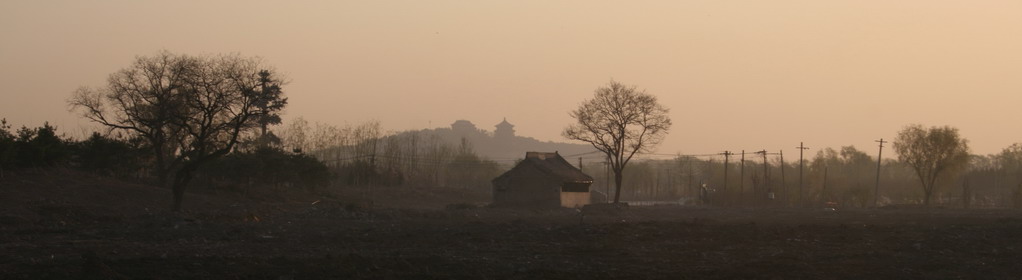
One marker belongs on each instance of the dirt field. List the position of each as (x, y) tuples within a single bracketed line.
[(64, 225)]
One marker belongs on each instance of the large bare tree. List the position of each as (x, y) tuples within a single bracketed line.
[(1010, 163), (931, 153), (1010, 160), (620, 121), (189, 109)]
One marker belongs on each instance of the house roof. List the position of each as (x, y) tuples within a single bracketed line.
[(552, 164)]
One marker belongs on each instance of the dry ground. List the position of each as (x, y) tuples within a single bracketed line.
[(66, 225)]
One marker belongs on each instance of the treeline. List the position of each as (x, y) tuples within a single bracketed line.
[(845, 177), (303, 157), (205, 120), (264, 168), (42, 147), (363, 154), (252, 167)]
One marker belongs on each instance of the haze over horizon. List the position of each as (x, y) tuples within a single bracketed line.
[(736, 75)]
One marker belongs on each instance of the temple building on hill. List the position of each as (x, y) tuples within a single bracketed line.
[(505, 130), (463, 127), (502, 144)]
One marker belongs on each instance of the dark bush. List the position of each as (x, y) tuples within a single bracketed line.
[(8, 149), (365, 172), (266, 168), (32, 147), (109, 156)]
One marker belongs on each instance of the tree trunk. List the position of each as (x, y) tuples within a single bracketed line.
[(617, 185), (181, 179), (161, 168), (927, 193), (928, 189)]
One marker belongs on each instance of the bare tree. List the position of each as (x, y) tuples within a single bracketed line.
[(1010, 161), (847, 173), (142, 99), (436, 154), (189, 109), (931, 153), (620, 122), (295, 135)]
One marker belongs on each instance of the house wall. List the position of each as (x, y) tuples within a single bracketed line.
[(528, 187), (574, 199)]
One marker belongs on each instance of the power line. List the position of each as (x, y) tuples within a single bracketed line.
[(592, 155)]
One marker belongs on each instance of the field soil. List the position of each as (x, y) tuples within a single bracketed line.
[(60, 224)]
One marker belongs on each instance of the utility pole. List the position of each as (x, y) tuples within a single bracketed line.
[(876, 191), (801, 147), (766, 172), (741, 178), (784, 183), (579, 163), (727, 154)]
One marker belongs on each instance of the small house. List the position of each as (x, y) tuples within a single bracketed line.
[(542, 180)]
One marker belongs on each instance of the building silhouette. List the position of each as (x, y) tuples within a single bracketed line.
[(542, 180), (505, 131)]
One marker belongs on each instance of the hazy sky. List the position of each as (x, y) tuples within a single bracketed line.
[(736, 74)]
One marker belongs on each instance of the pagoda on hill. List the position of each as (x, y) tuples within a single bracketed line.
[(505, 130)]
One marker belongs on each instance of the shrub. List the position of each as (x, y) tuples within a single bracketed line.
[(109, 156), (266, 168), (32, 147)]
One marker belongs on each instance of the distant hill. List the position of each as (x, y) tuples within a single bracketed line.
[(502, 143)]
